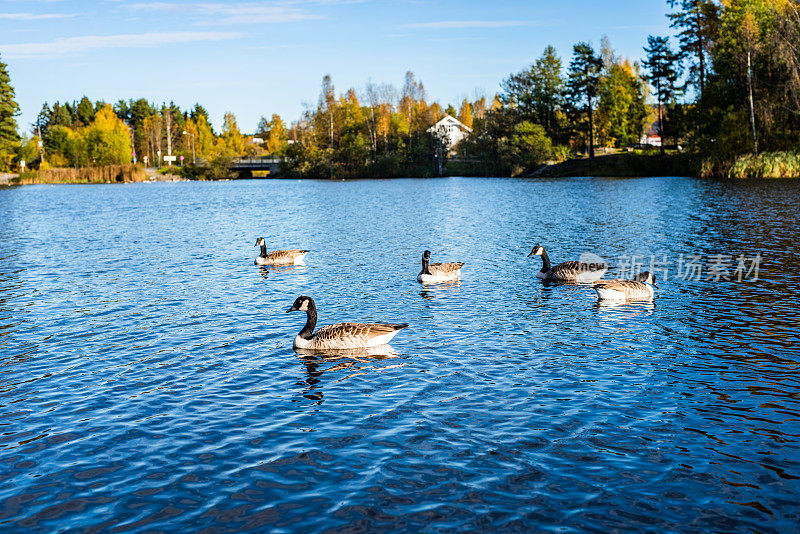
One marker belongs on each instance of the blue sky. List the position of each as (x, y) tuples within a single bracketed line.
[(259, 58)]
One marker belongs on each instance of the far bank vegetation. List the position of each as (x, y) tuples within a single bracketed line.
[(722, 98)]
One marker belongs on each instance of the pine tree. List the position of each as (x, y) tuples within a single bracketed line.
[(123, 110), (85, 111), (663, 72), (43, 120), (584, 77), (9, 137), (61, 116), (535, 94), (139, 111), (549, 84), (197, 112), (696, 20)]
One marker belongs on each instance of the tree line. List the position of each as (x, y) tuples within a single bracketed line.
[(82, 133), (727, 83), (85, 133)]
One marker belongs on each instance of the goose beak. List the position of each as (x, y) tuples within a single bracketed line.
[(291, 309), (531, 254)]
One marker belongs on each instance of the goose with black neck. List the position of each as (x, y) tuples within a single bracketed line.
[(433, 273), (340, 335), (568, 271), (279, 257)]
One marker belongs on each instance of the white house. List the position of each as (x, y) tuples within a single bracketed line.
[(450, 131)]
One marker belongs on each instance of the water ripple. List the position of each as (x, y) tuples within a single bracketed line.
[(148, 383)]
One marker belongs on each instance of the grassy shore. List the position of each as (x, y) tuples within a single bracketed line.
[(764, 165), (619, 165), (83, 175)]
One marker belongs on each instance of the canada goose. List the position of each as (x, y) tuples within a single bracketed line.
[(279, 257), (568, 271), (432, 273), (640, 288), (341, 335)]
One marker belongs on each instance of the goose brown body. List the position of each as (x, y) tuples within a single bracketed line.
[(279, 257), (340, 335), (568, 271), (352, 335), (640, 288), (438, 272)]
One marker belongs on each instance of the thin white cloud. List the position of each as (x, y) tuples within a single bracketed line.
[(71, 45), (451, 24), (232, 14), (34, 16)]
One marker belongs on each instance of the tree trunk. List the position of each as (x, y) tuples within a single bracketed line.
[(169, 134), (591, 129), (700, 53), (661, 126), (373, 134), (752, 110), (331, 123)]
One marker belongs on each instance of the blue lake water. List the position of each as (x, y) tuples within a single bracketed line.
[(148, 381)]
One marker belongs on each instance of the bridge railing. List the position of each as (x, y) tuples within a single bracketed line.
[(256, 162)]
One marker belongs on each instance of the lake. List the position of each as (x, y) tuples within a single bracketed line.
[(148, 381)]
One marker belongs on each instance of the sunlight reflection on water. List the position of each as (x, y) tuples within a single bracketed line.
[(148, 380)]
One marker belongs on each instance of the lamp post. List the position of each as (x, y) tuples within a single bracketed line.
[(194, 159)]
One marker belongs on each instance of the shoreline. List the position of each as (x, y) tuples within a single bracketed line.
[(623, 165), (770, 166)]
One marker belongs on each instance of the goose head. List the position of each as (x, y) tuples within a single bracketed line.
[(260, 241), (538, 250), (646, 277), (302, 303), (426, 255)]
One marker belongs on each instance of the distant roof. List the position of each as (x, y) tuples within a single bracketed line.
[(449, 119)]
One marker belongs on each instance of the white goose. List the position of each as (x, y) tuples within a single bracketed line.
[(341, 335), (568, 271), (642, 287), (433, 273), (279, 257)]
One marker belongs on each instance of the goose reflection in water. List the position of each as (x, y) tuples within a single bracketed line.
[(287, 268), (627, 309), (548, 289), (354, 361), (280, 269), (430, 291)]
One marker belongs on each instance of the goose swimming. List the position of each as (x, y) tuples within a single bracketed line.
[(568, 271), (642, 287), (341, 335), (432, 273), (279, 257)]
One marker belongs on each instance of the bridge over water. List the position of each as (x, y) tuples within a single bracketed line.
[(249, 167)]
